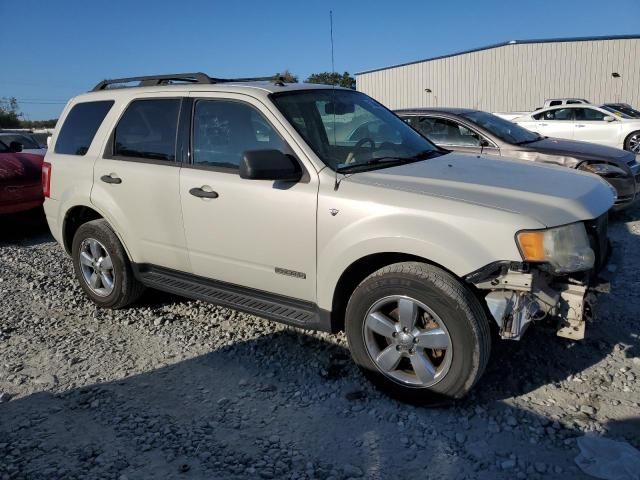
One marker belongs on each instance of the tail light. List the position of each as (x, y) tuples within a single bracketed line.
[(46, 179)]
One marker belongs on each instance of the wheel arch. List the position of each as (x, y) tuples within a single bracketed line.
[(78, 215), (627, 137), (360, 269)]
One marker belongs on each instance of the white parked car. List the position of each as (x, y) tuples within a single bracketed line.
[(257, 196), (588, 123)]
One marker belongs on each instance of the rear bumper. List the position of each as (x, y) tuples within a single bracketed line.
[(6, 208)]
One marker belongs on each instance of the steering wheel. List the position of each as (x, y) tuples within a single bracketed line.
[(363, 141)]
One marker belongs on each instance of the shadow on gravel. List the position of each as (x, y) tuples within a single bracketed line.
[(26, 228), (240, 413)]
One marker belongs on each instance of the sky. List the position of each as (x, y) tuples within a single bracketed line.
[(53, 50)]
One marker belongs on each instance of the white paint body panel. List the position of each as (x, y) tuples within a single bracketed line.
[(459, 211)]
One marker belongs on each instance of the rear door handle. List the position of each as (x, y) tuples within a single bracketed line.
[(202, 193), (111, 178), (543, 124), (580, 126)]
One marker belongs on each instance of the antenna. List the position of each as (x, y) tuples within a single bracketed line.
[(333, 69)]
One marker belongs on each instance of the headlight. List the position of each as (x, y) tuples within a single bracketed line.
[(603, 169), (565, 248)]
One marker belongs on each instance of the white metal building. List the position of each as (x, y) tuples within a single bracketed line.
[(513, 76)]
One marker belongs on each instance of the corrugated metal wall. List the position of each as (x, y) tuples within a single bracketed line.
[(513, 77)]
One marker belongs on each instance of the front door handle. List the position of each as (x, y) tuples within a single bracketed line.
[(202, 193), (580, 126), (111, 178), (543, 124)]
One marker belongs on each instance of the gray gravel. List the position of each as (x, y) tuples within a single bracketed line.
[(181, 389)]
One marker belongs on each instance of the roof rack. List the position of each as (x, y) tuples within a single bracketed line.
[(194, 78)]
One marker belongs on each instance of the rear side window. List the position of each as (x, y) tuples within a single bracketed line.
[(558, 114), (80, 127), (147, 130)]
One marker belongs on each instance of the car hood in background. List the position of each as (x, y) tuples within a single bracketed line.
[(20, 166), (550, 194), (569, 152)]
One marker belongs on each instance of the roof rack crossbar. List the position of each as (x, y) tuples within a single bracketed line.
[(199, 77), (152, 80)]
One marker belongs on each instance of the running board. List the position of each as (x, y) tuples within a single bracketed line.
[(290, 311)]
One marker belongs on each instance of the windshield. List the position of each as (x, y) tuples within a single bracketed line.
[(621, 111), (26, 142), (348, 129), (503, 129)]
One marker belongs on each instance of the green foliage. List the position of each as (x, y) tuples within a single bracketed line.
[(39, 123), (333, 78), (9, 114), (287, 77)]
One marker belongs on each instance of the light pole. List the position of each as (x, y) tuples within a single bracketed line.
[(435, 97)]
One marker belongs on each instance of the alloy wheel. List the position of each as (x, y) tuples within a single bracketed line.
[(634, 143), (407, 341), (97, 267)]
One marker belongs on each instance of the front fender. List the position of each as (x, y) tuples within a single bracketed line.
[(461, 244)]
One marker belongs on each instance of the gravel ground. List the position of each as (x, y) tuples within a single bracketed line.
[(181, 389)]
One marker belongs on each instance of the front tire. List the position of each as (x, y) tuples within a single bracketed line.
[(102, 267), (415, 331), (632, 142)]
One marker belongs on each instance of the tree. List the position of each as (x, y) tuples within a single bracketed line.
[(333, 78), (286, 77), (9, 114)]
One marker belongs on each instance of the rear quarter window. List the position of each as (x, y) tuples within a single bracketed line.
[(80, 127)]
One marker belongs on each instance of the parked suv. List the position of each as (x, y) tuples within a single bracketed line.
[(252, 195)]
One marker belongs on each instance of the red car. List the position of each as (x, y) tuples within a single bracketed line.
[(20, 179)]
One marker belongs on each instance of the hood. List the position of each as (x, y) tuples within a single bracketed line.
[(572, 149), (20, 166), (550, 194)]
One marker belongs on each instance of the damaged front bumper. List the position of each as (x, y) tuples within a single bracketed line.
[(516, 298)]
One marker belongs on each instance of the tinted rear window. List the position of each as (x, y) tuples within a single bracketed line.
[(147, 130), (80, 127)]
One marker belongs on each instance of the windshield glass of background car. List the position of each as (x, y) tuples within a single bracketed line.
[(618, 112), (26, 142), (345, 127), (503, 129)]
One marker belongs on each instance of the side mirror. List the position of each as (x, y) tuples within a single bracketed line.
[(15, 147), (269, 165), (609, 118), (484, 142)]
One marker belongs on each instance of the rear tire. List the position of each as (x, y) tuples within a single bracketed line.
[(102, 267), (632, 142), (442, 352)]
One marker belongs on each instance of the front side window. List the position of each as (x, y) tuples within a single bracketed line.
[(503, 129), (80, 127), (442, 131), (558, 114), (589, 114), (348, 129), (223, 130), (147, 130)]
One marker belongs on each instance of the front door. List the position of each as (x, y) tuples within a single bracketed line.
[(592, 127), (254, 233), (453, 135)]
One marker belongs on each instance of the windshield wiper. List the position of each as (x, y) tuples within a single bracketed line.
[(388, 161)]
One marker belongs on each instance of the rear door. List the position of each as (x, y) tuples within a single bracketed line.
[(556, 122), (254, 233), (137, 178)]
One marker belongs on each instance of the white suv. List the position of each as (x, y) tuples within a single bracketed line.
[(275, 199)]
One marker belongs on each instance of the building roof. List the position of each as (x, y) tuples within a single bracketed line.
[(503, 44)]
